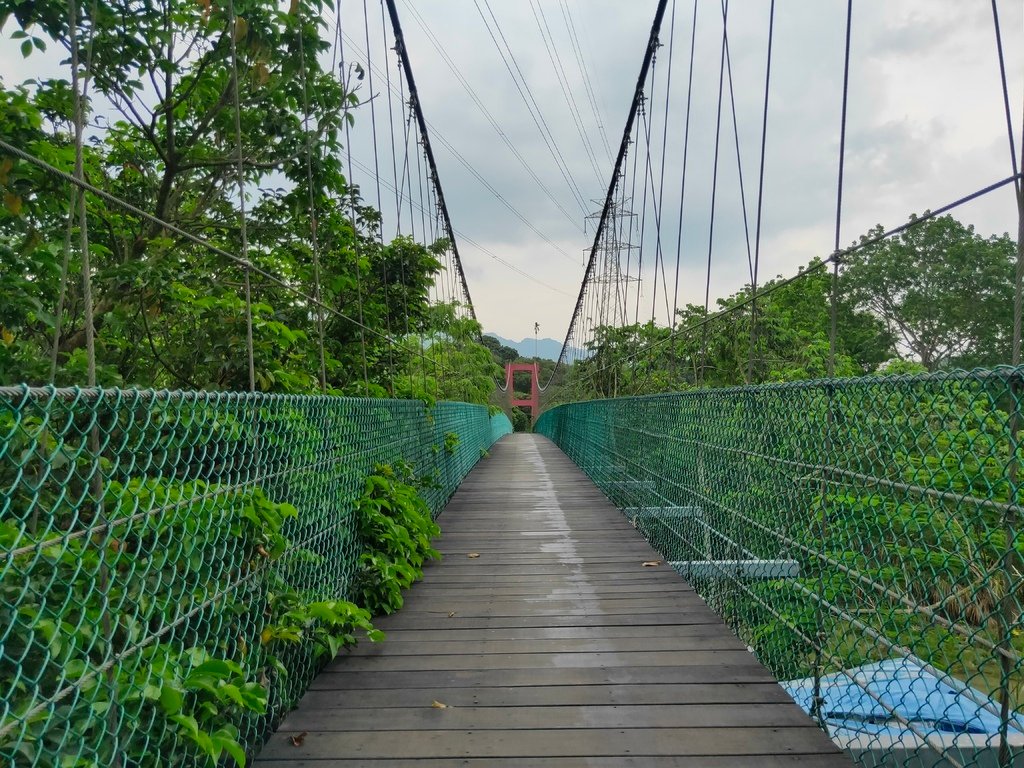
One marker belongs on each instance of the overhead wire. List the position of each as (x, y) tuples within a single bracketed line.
[(458, 155), (585, 77), (686, 156), (498, 195), (526, 94), (486, 251), (391, 124), (1018, 298), (647, 177), (380, 208), (482, 107), (817, 709), (760, 195), (736, 138), (652, 43), (417, 108), (394, 165), (658, 254), (563, 83), (817, 266), (344, 79), (240, 180), (311, 200), (714, 192)]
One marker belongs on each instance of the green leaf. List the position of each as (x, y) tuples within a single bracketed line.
[(226, 737), (171, 699), (188, 724)]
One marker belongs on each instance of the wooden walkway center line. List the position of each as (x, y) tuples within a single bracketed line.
[(556, 647)]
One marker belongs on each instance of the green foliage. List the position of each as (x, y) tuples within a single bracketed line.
[(178, 566), (896, 494), (449, 363), (451, 442), (944, 291), (198, 692), (937, 293), (396, 528), (792, 328), (502, 354), (329, 624), (169, 312), (520, 420)]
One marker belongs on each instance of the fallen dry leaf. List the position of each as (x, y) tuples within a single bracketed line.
[(652, 563), (297, 740), (473, 555), (438, 705)]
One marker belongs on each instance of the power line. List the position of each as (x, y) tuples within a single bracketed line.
[(652, 45), (563, 83), (478, 102), (577, 49), (414, 100), (836, 257), (525, 92), (467, 239), (444, 142)]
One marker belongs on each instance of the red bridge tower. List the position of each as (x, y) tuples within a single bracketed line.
[(534, 402)]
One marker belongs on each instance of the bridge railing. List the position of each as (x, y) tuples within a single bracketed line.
[(863, 536), (166, 557)]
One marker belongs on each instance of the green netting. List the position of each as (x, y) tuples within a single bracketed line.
[(861, 535), (149, 540), (501, 425)]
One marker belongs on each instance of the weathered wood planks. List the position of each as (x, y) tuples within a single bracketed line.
[(556, 647)]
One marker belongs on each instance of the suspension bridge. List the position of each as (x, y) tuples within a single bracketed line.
[(242, 377)]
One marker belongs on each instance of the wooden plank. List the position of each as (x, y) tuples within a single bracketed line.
[(581, 742), (619, 761), (413, 647), (547, 695), (565, 659), (437, 620), (426, 718), (534, 607), (577, 594), (344, 678), (554, 647), (680, 632)]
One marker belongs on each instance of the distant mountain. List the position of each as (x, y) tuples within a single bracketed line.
[(547, 349)]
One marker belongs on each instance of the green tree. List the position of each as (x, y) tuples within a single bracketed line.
[(502, 354), (450, 363), (792, 343), (942, 290), (169, 312)]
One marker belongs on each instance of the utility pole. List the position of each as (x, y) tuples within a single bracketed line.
[(536, 333)]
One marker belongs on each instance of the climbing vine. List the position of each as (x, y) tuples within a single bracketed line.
[(396, 526)]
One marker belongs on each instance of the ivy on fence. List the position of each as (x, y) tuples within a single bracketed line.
[(175, 566)]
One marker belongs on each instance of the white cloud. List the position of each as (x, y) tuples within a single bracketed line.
[(926, 126)]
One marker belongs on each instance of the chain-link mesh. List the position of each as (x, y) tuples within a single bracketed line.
[(152, 545), (861, 535)]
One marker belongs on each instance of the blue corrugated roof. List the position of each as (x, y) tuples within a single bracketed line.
[(904, 686)]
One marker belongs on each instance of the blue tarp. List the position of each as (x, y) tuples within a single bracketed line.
[(931, 704)]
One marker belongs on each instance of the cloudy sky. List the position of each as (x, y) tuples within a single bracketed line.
[(926, 125)]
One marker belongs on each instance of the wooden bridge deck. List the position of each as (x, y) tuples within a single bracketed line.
[(554, 647)]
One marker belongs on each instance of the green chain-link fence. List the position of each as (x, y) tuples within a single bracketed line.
[(155, 547), (862, 536)]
